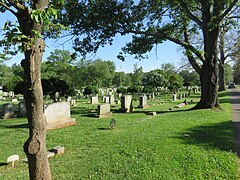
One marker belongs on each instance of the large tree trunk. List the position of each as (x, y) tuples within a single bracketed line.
[(221, 62), (222, 84), (35, 146), (209, 72)]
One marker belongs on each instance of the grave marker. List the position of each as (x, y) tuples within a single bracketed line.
[(58, 115), (103, 111)]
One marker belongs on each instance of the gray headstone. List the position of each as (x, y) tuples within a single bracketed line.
[(104, 111), (94, 100), (143, 102), (111, 99), (106, 99), (58, 115), (8, 110), (22, 109), (126, 103), (174, 97)]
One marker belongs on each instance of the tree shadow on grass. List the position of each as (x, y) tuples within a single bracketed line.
[(18, 126), (3, 164), (211, 136)]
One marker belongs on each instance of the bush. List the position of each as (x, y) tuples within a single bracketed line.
[(90, 90), (134, 89), (148, 89), (122, 90)]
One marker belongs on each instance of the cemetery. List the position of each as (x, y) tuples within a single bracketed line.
[(139, 134), (119, 90)]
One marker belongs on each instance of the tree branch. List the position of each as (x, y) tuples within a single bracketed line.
[(189, 14), (8, 8), (165, 36), (228, 9)]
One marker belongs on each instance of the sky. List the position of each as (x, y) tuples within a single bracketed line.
[(166, 52)]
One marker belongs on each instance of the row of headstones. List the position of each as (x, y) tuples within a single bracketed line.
[(180, 96), (8, 110), (126, 106), (57, 114)]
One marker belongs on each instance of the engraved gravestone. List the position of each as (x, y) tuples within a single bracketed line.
[(94, 100), (58, 115), (143, 102), (103, 111), (8, 110), (126, 103), (22, 109)]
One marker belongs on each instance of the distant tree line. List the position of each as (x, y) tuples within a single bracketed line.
[(63, 72)]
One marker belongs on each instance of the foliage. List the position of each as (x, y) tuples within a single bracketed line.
[(155, 78), (19, 88), (122, 90), (53, 85), (134, 89), (148, 89), (121, 79), (90, 90), (175, 81), (190, 78)]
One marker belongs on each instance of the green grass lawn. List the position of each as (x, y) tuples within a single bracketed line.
[(178, 144)]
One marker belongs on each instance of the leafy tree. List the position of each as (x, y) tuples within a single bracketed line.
[(168, 68), (175, 81), (190, 78), (155, 78), (122, 90), (34, 20), (137, 76), (53, 85), (153, 22), (228, 75), (90, 90), (121, 79), (134, 89), (148, 89)]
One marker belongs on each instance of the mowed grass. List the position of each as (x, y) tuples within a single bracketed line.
[(178, 144)]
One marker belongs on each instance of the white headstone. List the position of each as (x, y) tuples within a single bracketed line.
[(58, 115)]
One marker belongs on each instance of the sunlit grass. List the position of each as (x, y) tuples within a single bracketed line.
[(176, 144)]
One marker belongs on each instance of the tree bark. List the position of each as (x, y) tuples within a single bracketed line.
[(35, 146), (209, 72), (222, 84), (222, 62)]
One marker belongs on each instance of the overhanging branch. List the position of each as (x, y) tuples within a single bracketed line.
[(8, 8)]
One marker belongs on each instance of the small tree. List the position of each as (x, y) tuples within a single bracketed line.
[(90, 90)]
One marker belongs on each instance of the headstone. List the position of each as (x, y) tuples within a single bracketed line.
[(106, 99), (8, 111), (103, 111), (179, 96), (143, 102), (21, 98), (58, 115), (174, 97), (180, 105), (69, 98), (126, 104), (111, 99), (58, 150), (12, 159), (22, 109), (57, 96), (152, 113), (94, 100), (10, 93), (73, 102), (14, 100), (153, 95)]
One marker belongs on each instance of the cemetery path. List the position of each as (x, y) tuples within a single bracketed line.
[(235, 104)]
